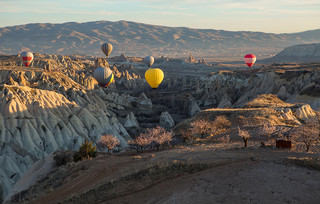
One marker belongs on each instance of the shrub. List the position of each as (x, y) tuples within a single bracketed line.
[(245, 136), (86, 151), (187, 136), (221, 122), (62, 157), (108, 141)]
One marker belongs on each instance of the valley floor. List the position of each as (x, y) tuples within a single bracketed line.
[(205, 173)]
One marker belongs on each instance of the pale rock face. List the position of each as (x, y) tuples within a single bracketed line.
[(131, 121), (291, 86), (287, 114), (193, 108), (282, 93), (225, 102), (37, 171), (166, 120), (144, 103), (35, 123), (118, 101), (305, 113)]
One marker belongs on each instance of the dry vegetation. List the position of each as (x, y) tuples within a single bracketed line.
[(108, 141), (154, 137), (307, 133), (267, 100)]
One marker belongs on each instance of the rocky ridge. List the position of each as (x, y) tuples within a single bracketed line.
[(299, 84)]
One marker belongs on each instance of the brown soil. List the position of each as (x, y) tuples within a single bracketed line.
[(205, 173)]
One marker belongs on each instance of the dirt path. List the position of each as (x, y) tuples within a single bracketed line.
[(252, 175), (239, 182)]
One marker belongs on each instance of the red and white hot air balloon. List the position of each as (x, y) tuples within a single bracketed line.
[(250, 59), (27, 58)]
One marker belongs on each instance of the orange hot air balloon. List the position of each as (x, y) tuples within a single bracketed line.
[(27, 58), (154, 77), (250, 59)]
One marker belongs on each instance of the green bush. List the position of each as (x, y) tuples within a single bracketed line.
[(86, 151)]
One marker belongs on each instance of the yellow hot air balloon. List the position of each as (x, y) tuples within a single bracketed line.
[(154, 77)]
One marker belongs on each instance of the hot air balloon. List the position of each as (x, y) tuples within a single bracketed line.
[(104, 76), (154, 77), (106, 48), (27, 58), (149, 60), (250, 59)]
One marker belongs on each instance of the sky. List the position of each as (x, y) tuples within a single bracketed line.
[(271, 16)]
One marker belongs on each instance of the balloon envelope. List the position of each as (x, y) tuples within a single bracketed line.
[(103, 75), (149, 60), (154, 77), (250, 59), (106, 48), (27, 58)]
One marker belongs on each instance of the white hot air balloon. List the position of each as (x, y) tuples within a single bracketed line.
[(27, 58), (149, 60)]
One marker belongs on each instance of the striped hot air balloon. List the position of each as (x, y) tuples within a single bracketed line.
[(250, 59), (27, 58), (154, 77), (104, 76), (106, 48)]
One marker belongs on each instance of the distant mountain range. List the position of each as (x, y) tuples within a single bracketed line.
[(137, 39)]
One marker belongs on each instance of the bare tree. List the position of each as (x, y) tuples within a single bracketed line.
[(160, 136), (152, 137), (245, 136), (108, 141), (307, 133), (141, 142), (201, 127)]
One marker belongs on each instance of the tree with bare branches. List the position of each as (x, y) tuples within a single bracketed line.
[(307, 133), (152, 137), (201, 127), (108, 141), (245, 136)]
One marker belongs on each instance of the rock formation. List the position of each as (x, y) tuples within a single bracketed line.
[(166, 120), (35, 122), (131, 121), (241, 87)]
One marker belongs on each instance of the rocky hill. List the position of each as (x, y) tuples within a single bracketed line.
[(137, 39), (56, 104), (293, 83), (298, 53)]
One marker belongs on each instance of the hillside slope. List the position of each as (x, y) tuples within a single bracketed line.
[(297, 53), (142, 39)]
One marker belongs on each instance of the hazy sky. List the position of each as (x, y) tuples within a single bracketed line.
[(275, 16)]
